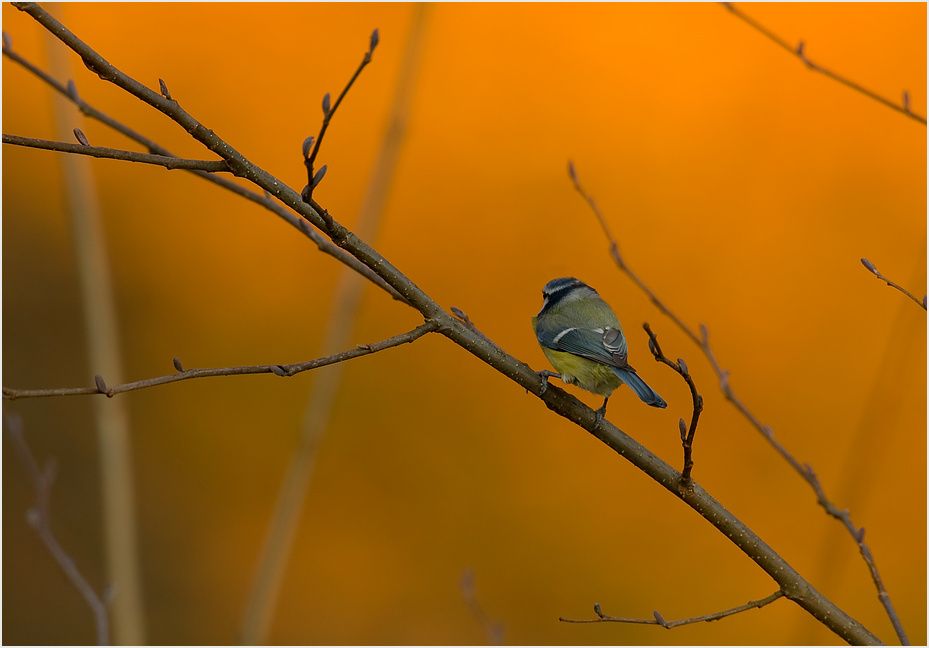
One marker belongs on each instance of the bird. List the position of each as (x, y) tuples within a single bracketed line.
[(582, 338)]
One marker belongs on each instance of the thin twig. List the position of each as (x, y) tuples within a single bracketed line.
[(870, 266), (703, 342), (687, 433), (282, 370), (328, 113), (798, 51), (169, 162), (660, 621), (39, 518)]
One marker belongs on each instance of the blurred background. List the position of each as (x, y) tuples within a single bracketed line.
[(743, 188)]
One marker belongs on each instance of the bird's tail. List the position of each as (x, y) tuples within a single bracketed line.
[(648, 395)]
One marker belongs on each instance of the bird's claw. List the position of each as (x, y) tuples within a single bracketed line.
[(545, 375)]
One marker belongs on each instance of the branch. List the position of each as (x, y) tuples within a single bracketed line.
[(797, 51), (169, 162), (284, 370), (788, 579), (309, 157), (687, 434), (659, 620), (264, 199), (39, 518), (703, 343), (870, 266)]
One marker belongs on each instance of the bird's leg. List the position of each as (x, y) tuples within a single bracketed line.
[(545, 375), (602, 411)]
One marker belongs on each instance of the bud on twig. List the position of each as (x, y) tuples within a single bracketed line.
[(319, 175), (79, 134), (660, 619), (164, 90), (869, 266), (682, 365), (178, 365), (375, 37), (307, 146), (277, 370), (683, 427), (72, 89), (101, 386), (7, 44), (906, 101), (326, 105)]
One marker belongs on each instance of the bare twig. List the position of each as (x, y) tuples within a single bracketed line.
[(276, 369), (870, 266), (660, 620), (169, 162), (39, 518), (309, 157), (703, 342), (687, 433), (798, 51)]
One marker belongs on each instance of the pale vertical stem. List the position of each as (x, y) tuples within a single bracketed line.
[(111, 415), (347, 298)]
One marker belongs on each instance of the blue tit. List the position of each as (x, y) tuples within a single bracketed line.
[(582, 338)]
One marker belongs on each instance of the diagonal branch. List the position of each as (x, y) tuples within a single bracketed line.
[(797, 51), (169, 162), (804, 470), (659, 620), (283, 370)]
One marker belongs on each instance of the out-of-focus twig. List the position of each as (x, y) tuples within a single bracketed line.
[(39, 518), (660, 620), (703, 342), (493, 629), (870, 266), (798, 51)]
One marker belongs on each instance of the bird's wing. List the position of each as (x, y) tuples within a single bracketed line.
[(606, 346)]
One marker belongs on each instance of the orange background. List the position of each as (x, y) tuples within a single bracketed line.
[(743, 188)]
